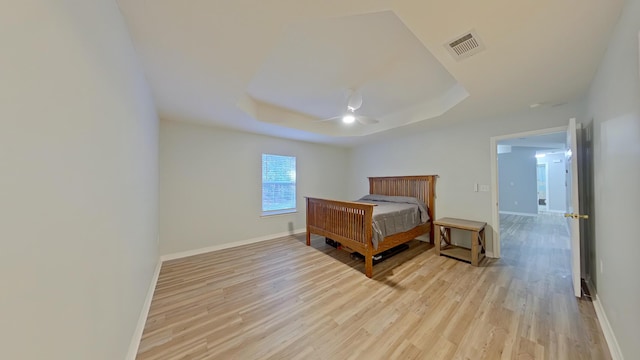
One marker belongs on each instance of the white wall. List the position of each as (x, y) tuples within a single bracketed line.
[(210, 184), (459, 153), (517, 181), (614, 106), (78, 182)]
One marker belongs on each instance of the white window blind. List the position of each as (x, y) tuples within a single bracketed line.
[(278, 184)]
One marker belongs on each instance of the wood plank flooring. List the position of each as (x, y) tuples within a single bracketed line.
[(280, 299)]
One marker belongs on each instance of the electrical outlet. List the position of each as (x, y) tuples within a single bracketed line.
[(484, 188)]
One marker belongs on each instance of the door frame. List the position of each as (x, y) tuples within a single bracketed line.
[(494, 177)]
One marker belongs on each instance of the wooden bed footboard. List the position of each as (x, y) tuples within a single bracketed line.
[(342, 221), (350, 223)]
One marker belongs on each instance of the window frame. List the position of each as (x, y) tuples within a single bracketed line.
[(279, 211)]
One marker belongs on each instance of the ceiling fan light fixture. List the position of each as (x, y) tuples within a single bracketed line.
[(348, 119)]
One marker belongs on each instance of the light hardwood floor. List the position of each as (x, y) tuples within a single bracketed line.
[(280, 299)]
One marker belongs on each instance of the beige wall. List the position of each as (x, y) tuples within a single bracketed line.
[(210, 184), (78, 182), (614, 106)]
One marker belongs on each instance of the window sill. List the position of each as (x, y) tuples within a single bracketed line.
[(278, 212)]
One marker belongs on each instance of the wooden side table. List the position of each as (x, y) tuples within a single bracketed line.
[(443, 233)]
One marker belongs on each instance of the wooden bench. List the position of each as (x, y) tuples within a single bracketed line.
[(443, 228)]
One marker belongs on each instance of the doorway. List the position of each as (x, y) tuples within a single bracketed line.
[(543, 193), (515, 192), (532, 174), (551, 179), (519, 195), (532, 183)]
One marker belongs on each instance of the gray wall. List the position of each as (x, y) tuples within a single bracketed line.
[(614, 107), (78, 182), (517, 181)]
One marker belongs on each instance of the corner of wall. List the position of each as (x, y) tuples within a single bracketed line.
[(144, 313)]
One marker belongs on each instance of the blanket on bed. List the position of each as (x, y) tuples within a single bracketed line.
[(395, 214)]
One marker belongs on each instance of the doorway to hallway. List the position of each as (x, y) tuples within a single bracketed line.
[(515, 191), (532, 174)]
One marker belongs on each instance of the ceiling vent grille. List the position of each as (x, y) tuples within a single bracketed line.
[(465, 46)]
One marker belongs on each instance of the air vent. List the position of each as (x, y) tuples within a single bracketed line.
[(465, 46)]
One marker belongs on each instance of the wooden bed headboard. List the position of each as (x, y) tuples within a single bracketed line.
[(419, 186)]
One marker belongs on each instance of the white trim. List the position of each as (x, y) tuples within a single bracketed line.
[(517, 213), (493, 142), (614, 348), (144, 313), (554, 211), (187, 253), (547, 200), (278, 212), (495, 216)]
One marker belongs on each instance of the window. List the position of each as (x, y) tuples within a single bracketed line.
[(278, 184)]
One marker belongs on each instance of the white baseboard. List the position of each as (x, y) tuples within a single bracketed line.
[(614, 348), (489, 254), (187, 253), (517, 213), (144, 313), (555, 211)]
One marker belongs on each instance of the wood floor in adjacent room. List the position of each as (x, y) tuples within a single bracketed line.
[(280, 299)]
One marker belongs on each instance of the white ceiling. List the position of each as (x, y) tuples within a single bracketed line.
[(276, 67)]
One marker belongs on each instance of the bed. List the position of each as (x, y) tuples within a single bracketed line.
[(351, 223)]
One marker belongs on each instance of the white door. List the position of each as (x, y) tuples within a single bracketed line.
[(573, 203)]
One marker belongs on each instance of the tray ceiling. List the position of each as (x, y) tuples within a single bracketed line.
[(275, 67)]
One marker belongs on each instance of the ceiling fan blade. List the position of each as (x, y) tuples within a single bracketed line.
[(355, 101), (365, 120), (329, 119)]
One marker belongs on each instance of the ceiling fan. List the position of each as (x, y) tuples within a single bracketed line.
[(354, 102)]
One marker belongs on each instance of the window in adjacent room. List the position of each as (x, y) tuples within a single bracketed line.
[(278, 184)]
